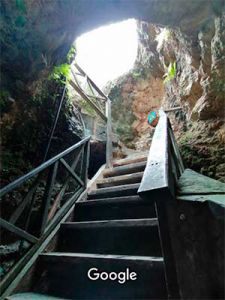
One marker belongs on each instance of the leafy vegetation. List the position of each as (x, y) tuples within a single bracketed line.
[(71, 54), (61, 73), (4, 101), (171, 72)]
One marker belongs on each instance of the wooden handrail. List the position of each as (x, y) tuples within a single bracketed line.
[(40, 168), (48, 199), (164, 163), (158, 186), (96, 105)]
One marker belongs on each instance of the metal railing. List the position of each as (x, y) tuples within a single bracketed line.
[(33, 205), (95, 97), (44, 196)]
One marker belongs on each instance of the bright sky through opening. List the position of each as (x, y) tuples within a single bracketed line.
[(109, 51)]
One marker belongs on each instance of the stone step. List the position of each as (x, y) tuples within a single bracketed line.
[(120, 180), (66, 275), (115, 191), (122, 237), (127, 169), (130, 207)]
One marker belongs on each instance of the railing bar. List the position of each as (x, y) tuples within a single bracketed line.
[(96, 97), (76, 80), (71, 171), (74, 164), (92, 83), (32, 254), (64, 208), (29, 212), (15, 216), (79, 74), (64, 187), (37, 170), (176, 151), (20, 232), (85, 164), (82, 94), (109, 146), (47, 195), (82, 159), (57, 201)]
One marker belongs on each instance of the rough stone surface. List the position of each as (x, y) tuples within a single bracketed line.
[(37, 35), (197, 85)]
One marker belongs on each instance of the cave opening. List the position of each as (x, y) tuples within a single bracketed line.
[(109, 51), (105, 53)]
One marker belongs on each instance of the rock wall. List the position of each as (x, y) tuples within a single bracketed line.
[(176, 69), (36, 35)]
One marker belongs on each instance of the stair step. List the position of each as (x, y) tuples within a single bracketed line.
[(120, 180), (130, 237), (130, 160), (127, 169), (66, 275), (116, 191), (131, 207), (32, 296)]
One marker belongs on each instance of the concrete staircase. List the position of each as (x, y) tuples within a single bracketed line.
[(113, 230)]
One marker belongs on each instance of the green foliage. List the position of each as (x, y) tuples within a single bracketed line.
[(4, 101), (217, 7), (87, 108), (21, 6), (20, 21), (71, 54), (61, 73), (136, 74), (171, 72), (139, 72)]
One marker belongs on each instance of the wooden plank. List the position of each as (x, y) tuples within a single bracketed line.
[(197, 238), (193, 183), (130, 160), (109, 146), (29, 213), (157, 169), (85, 97), (40, 168), (47, 195), (166, 245), (21, 233), (16, 274), (63, 189), (176, 152), (96, 97), (213, 198), (92, 82), (65, 164), (172, 109), (17, 213), (85, 165), (120, 180)]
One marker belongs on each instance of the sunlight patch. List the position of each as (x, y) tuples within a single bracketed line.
[(109, 51)]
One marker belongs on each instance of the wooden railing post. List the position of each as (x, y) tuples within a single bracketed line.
[(47, 195), (86, 163), (109, 145), (158, 186)]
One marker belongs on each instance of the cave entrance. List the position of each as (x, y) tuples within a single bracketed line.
[(105, 54), (108, 51)]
